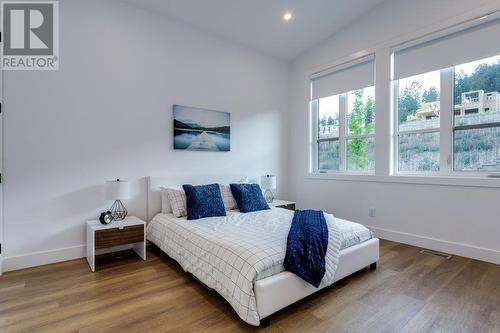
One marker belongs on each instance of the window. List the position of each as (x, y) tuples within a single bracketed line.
[(447, 103), (445, 110), (476, 131), (418, 123), (343, 113)]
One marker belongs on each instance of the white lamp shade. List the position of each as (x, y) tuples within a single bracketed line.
[(268, 182), (117, 189)]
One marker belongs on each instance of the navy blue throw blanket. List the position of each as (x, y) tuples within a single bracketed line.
[(306, 246)]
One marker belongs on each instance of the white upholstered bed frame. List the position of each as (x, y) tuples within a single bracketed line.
[(278, 291)]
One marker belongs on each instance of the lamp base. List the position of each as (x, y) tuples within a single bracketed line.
[(118, 211), (269, 196)]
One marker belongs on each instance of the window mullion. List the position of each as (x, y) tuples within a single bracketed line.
[(446, 121), (420, 131), (342, 131), (395, 115), (327, 139), (313, 166), (360, 136), (476, 126)]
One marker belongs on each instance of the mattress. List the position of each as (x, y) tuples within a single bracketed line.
[(351, 233)]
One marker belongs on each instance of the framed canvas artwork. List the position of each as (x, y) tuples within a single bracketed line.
[(201, 129)]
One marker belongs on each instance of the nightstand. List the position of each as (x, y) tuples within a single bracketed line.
[(283, 204), (131, 230)]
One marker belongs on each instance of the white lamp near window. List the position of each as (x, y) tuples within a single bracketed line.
[(268, 184), (117, 190)]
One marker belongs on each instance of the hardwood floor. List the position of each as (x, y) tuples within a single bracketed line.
[(409, 292)]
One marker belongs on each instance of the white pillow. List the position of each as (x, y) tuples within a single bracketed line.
[(165, 201), (227, 197), (177, 199)]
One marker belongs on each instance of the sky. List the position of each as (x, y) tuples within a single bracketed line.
[(329, 107), (202, 117)]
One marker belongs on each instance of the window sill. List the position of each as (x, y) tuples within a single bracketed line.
[(468, 181)]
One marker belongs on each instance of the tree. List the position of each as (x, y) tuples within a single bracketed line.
[(330, 121), (361, 121), (462, 84), (370, 112), (430, 95), (322, 122), (409, 101)]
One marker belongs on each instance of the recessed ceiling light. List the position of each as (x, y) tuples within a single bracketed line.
[(287, 16)]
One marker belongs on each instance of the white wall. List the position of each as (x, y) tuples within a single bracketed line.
[(107, 113), (458, 219)]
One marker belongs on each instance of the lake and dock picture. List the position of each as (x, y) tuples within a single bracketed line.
[(201, 129)]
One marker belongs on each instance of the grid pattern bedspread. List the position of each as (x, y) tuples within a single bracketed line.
[(352, 233), (228, 253)]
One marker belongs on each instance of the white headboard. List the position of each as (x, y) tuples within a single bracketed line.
[(154, 184)]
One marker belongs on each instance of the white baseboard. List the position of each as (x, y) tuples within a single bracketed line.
[(75, 252), (51, 257), (460, 249), (43, 258)]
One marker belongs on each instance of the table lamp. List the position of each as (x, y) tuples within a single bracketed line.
[(117, 190), (268, 184)]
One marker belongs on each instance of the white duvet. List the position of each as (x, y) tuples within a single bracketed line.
[(230, 253)]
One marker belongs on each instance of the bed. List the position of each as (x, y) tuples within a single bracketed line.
[(241, 255)]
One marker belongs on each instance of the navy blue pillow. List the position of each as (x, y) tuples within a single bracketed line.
[(248, 197), (203, 201)]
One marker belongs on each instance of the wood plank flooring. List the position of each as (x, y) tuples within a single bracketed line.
[(409, 292)]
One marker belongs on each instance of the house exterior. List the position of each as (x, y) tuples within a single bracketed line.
[(473, 102), (477, 102), (426, 111)]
